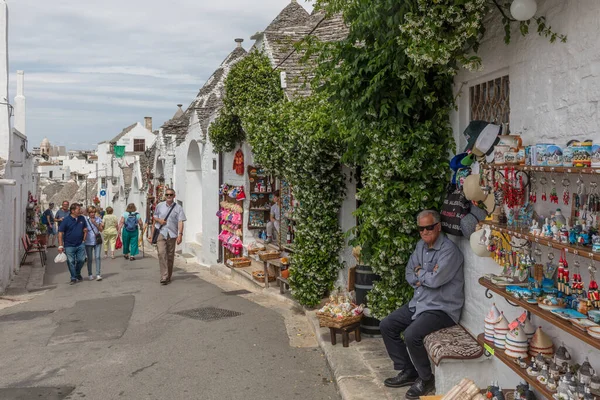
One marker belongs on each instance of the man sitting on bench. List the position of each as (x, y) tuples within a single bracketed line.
[(435, 271)]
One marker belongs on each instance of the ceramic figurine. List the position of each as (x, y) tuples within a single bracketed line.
[(535, 228), (554, 229), (543, 376), (588, 394), (563, 388), (554, 370), (552, 384), (547, 228), (586, 372), (522, 362), (595, 383), (562, 358)]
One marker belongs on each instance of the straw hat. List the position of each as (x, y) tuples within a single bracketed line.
[(472, 189), (490, 203), (478, 248)]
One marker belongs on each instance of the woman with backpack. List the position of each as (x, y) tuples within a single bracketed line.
[(131, 223)]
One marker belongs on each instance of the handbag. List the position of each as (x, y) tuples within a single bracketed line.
[(118, 243), (156, 232), (454, 208)]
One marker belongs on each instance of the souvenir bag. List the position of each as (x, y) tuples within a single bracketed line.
[(118, 243), (157, 231), (455, 207)]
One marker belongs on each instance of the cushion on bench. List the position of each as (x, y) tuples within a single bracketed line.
[(453, 343)]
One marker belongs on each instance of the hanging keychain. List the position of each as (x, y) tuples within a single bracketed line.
[(553, 194), (593, 294), (566, 195), (543, 181), (577, 283), (563, 273), (532, 192)]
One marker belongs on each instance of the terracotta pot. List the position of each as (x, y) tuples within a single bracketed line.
[(285, 273)]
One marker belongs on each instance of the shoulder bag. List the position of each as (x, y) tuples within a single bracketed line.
[(157, 231), (96, 233)]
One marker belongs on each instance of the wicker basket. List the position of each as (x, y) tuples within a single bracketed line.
[(255, 250), (260, 276), (269, 255), (239, 262), (326, 320)]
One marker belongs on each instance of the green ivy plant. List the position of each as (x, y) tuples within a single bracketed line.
[(294, 140)]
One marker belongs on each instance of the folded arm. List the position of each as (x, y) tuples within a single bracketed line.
[(449, 263)]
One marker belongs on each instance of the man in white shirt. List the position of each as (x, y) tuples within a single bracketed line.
[(273, 224), (169, 218)]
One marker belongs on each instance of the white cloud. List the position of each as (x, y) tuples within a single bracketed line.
[(106, 64)]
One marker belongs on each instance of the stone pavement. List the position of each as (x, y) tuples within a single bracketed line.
[(128, 337), (359, 370)]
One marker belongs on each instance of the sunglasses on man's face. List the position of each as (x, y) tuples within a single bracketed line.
[(427, 228), (170, 194)]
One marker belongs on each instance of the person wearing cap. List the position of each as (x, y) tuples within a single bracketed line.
[(48, 220), (435, 271)]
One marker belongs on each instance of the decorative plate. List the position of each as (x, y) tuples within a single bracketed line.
[(568, 313), (594, 331), (583, 324), (550, 308)]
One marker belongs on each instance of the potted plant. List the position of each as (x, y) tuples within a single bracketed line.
[(42, 238)]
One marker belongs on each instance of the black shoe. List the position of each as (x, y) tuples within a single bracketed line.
[(163, 282), (420, 388), (79, 278), (404, 378), (72, 282)]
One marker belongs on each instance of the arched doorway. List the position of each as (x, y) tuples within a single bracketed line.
[(193, 195)]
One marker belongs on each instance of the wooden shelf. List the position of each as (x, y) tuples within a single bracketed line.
[(525, 234), (261, 192), (510, 362), (558, 170), (257, 227), (545, 315), (289, 247)]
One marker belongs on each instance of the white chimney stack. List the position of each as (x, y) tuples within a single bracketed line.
[(5, 136), (20, 103), (239, 42), (148, 123)]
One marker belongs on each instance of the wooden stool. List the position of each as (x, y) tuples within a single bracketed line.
[(283, 284), (344, 331)]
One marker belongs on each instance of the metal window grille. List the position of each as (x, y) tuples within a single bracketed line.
[(139, 144), (490, 101)]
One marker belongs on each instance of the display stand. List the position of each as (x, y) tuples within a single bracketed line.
[(260, 196), (31, 228), (227, 254)]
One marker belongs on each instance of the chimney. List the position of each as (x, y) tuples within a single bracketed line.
[(148, 123), (239, 42), (20, 103)]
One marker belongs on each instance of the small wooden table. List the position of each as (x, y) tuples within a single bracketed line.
[(283, 284), (345, 330)]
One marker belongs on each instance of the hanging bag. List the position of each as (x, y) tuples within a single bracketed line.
[(157, 231), (455, 207), (118, 243)]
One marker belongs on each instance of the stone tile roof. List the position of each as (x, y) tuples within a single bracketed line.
[(292, 15), (123, 133), (67, 192), (52, 189), (207, 101), (80, 195), (279, 46)]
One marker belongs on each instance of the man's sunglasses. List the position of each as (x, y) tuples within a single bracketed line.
[(170, 194), (428, 227)]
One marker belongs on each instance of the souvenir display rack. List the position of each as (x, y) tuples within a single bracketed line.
[(510, 362), (227, 254), (260, 196), (30, 222), (535, 310), (557, 170), (582, 251), (524, 192)]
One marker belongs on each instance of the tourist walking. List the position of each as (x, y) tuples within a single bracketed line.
[(131, 224), (93, 242), (47, 219), (62, 213), (168, 219), (111, 223), (435, 271), (72, 233)]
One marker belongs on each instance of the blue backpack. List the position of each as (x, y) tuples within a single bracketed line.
[(131, 223)]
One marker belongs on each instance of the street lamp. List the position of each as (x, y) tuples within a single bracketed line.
[(523, 10)]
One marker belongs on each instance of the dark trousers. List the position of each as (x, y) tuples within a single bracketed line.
[(410, 354)]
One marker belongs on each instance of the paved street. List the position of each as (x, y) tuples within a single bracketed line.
[(127, 337)]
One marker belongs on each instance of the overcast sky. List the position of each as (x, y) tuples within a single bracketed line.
[(95, 67)]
